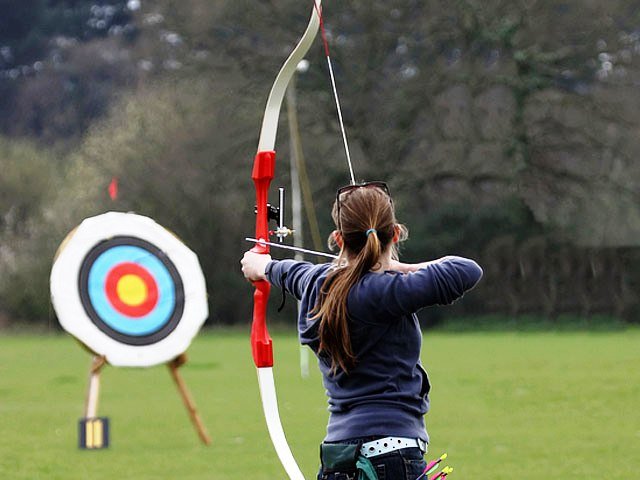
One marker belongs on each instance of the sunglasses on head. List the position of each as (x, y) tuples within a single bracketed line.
[(342, 191), (349, 188)]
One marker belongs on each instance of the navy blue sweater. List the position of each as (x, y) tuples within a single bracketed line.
[(387, 392)]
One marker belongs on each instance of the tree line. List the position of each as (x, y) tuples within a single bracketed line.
[(505, 130)]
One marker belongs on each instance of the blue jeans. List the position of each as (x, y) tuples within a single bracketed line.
[(405, 464)]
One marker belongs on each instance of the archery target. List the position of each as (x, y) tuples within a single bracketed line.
[(128, 289)]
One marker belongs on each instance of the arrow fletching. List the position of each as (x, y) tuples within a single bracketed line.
[(433, 465), (443, 474)]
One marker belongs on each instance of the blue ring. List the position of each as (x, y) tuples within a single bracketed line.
[(140, 326)]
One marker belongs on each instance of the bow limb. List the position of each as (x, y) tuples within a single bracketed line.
[(262, 175), (274, 102)]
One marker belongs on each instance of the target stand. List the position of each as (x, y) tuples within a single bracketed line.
[(93, 431), (133, 294)]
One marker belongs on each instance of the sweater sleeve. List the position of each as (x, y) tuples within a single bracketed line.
[(291, 275), (395, 294)]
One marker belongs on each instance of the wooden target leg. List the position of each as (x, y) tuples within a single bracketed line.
[(186, 397), (93, 392), (93, 432)]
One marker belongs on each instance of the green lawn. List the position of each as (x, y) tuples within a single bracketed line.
[(504, 406)]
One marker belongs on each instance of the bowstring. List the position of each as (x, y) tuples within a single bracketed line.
[(335, 90)]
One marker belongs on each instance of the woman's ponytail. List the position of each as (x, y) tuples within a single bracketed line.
[(367, 226)]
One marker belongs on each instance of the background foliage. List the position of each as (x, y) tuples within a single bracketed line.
[(506, 130)]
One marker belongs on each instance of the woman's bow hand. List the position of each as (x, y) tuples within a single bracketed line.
[(254, 265)]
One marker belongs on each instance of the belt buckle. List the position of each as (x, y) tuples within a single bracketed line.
[(422, 445)]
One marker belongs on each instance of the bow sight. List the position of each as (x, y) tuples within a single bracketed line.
[(276, 213)]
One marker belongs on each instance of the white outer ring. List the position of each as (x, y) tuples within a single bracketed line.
[(68, 305)]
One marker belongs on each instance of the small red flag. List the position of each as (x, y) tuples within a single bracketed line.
[(113, 188)]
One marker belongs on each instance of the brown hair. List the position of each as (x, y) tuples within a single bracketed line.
[(365, 218)]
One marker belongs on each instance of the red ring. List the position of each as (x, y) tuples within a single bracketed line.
[(111, 289)]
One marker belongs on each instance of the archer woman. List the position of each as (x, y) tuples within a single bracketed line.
[(358, 315)]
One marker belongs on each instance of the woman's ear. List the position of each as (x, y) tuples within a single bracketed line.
[(396, 233), (337, 237)]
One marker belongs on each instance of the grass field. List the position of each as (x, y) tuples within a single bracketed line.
[(504, 406)]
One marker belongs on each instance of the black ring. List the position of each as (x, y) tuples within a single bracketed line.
[(178, 308)]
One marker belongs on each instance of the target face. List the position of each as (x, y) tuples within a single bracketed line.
[(128, 289), (131, 290)]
